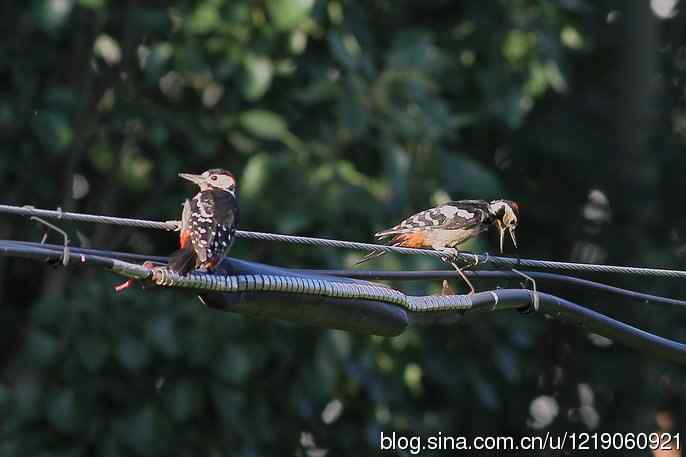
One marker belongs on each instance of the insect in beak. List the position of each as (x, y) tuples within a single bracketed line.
[(501, 232), (502, 228), (511, 229)]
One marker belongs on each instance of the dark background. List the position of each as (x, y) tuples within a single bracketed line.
[(339, 118)]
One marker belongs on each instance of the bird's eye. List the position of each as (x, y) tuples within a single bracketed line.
[(214, 177), (232, 187)]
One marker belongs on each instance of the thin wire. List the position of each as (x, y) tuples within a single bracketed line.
[(494, 261), (98, 252)]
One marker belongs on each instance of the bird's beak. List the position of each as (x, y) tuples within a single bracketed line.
[(512, 235), (502, 228), (197, 179)]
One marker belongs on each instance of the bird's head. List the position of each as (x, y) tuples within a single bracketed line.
[(506, 216), (214, 179)]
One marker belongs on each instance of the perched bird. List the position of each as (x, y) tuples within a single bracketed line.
[(447, 226), (208, 222)]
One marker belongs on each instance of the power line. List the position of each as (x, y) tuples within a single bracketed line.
[(483, 259), (425, 275), (370, 275), (359, 306)]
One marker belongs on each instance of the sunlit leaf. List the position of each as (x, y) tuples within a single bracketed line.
[(258, 77), (286, 14), (52, 14), (205, 18), (264, 124)]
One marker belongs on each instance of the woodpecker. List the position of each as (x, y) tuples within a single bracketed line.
[(448, 226), (208, 222)]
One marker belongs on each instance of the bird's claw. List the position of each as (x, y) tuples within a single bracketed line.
[(451, 257), (125, 285), (131, 281), (449, 254)]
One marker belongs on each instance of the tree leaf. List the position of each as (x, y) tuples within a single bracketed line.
[(287, 14), (264, 124)]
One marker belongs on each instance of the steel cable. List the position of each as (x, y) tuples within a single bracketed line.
[(482, 259)]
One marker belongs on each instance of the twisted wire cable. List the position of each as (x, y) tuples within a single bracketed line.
[(307, 286), (482, 259)]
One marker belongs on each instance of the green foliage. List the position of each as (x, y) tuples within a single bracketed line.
[(339, 117)]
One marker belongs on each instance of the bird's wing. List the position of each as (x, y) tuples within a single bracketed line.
[(226, 208), (215, 223), (450, 216)]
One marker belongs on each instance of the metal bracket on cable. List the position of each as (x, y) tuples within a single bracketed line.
[(65, 253), (535, 298)]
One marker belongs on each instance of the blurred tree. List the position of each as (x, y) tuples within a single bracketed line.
[(339, 117)]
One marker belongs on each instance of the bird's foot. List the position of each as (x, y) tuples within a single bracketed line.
[(450, 257), (125, 285), (449, 254), (131, 281)]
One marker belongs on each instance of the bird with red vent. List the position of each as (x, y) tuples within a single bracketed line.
[(208, 224), (448, 226)]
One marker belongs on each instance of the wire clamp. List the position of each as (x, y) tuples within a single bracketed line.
[(160, 276), (535, 298), (65, 253), (495, 300)]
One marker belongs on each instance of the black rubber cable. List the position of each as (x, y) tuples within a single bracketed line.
[(499, 299), (590, 320), (400, 275), (485, 274)]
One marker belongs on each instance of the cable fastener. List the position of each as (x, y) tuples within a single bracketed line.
[(535, 297), (65, 253)]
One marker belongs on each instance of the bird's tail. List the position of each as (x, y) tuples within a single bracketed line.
[(370, 256), (183, 260)]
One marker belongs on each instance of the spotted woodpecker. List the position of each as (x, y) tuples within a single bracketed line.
[(208, 223), (447, 226)]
